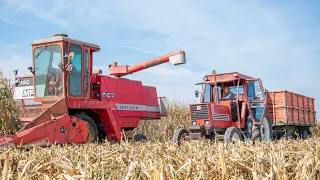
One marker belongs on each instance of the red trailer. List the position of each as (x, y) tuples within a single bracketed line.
[(291, 111), (80, 104)]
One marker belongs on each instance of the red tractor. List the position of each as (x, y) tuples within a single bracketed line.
[(236, 107), (80, 104)]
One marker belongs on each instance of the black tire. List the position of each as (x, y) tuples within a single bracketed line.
[(304, 133), (140, 138), (178, 134), (231, 135), (262, 132), (92, 126)]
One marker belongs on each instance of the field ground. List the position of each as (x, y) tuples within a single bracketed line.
[(160, 159)]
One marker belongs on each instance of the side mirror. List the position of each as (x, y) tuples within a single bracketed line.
[(196, 93), (31, 69), (60, 66), (71, 56), (69, 68), (15, 72)]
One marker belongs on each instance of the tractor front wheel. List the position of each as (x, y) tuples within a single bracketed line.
[(232, 134), (92, 127), (178, 135)]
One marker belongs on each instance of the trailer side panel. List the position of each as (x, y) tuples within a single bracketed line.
[(288, 108)]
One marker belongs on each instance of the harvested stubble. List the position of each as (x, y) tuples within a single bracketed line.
[(160, 159), (156, 160)]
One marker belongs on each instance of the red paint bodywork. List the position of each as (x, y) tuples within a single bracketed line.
[(117, 103)]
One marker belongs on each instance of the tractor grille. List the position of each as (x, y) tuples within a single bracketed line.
[(199, 114), (216, 116), (220, 117)]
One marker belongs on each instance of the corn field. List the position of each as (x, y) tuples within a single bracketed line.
[(159, 158), (8, 112)]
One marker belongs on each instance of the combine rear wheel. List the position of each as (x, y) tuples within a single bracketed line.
[(92, 131), (232, 134), (178, 135)]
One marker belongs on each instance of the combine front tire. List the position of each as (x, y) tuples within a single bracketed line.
[(232, 134), (140, 138), (93, 130), (178, 135)]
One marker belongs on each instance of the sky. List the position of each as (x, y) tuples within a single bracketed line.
[(277, 41)]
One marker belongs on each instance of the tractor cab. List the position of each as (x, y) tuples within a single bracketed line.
[(61, 68)]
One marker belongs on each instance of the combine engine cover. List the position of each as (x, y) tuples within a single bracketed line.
[(133, 100)]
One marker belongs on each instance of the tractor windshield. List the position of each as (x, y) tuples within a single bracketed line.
[(47, 71), (209, 93)]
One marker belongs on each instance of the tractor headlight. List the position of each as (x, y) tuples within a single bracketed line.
[(206, 122), (194, 123)]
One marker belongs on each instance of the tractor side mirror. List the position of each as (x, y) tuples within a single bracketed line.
[(196, 93)]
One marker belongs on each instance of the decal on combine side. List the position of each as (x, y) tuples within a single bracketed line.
[(28, 93), (136, 107), (24, 89), (107, 94)]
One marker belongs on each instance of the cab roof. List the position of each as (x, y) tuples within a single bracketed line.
[(225, 77), (63, 37)]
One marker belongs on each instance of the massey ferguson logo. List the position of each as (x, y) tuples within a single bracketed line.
[(198, 107), (28, 93)]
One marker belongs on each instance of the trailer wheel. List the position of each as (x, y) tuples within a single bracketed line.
[(304, 133), (93, 130), (262, 132), (231, 135), (178, 135), (140, 138)]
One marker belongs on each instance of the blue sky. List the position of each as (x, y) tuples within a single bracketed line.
[(277, 41)]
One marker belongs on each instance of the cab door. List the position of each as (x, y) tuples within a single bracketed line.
[(256, 100), (75, 83)]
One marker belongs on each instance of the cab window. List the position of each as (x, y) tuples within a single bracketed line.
[(75, 75)]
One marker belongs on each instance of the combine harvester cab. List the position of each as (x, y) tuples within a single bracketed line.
[(235, 107), (82, 105)]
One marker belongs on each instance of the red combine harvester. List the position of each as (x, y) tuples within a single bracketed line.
[(236, 107), (81, 105)]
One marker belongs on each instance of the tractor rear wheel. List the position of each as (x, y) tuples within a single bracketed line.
[(178, 135), (232, 134), (92, 127), (262, 132)]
